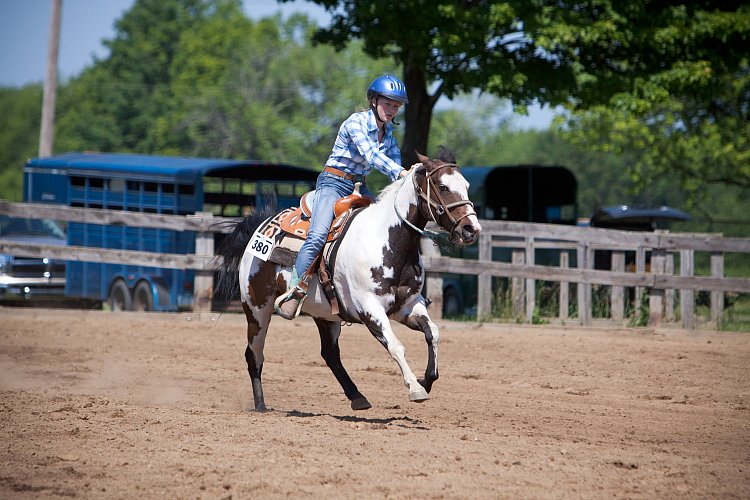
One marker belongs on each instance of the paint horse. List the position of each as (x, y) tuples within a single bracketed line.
[(377, 274)]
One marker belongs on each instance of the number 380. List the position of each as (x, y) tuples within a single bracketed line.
[(260, 246)]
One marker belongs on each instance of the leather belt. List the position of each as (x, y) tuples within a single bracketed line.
[(341, 173)]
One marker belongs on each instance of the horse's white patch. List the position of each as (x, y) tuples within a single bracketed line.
[(456, 183)]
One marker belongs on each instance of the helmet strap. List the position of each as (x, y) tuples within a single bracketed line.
[(374, 107)]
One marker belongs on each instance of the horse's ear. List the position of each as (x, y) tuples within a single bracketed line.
[(422, 158)]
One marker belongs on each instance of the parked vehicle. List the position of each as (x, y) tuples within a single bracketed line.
[(637, 218), (30, 277), (632, 218), (158, 185)]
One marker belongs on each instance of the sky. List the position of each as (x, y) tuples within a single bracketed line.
[(24, 39)]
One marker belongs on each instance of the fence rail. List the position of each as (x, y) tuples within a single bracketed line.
[(522, 239)]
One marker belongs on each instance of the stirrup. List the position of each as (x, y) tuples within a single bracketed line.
[(293, 300)]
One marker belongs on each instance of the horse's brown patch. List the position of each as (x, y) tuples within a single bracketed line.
[(407, 270), (264, 284), (253, 327)]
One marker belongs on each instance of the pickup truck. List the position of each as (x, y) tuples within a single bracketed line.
[(30, 277)]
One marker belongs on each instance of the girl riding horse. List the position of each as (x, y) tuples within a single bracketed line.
[(365, 140)]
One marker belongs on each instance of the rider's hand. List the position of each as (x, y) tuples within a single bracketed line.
[(403, 173)]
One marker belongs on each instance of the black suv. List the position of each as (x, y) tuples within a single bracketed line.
[(28, 277)]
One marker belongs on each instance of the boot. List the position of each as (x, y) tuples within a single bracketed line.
[(289, 305)]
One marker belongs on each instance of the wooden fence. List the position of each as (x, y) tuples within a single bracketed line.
[(522, 240), (525, 239)]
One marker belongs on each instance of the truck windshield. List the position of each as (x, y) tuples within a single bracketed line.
[(19, 226)]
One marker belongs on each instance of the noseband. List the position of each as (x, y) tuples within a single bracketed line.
[(440, 206)]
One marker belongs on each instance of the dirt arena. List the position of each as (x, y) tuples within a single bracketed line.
[(125, 405)]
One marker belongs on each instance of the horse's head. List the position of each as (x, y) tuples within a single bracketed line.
[(444, 198)]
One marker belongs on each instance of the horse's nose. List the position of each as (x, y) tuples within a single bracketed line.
[(470, 232)]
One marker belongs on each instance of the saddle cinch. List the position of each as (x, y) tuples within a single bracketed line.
[(288, 229)]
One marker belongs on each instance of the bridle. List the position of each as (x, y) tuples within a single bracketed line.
[(440, 206)]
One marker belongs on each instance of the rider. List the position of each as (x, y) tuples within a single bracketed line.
[(365, 140)]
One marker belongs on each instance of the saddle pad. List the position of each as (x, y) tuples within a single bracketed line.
[(288, 229)]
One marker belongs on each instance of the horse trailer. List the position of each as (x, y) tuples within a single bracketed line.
[(157, 185)]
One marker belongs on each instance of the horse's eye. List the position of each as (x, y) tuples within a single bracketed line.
[(443, 189)]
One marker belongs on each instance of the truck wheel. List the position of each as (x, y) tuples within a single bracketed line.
[(119, 297), (143, 299)]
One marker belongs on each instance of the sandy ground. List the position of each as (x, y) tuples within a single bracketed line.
[(125, 405)]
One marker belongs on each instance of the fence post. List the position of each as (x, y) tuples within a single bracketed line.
[(484, 281), (669, 293), (434, 281), (656, 295), (717, 298), (203, 286), (584, 254), (640, 268), (517, 288), (564, 286), (687, 301), (530, 282), (617, 297)]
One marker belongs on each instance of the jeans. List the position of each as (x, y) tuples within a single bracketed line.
[(328, 189)]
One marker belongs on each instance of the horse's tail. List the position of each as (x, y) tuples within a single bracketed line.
[(233, 247)]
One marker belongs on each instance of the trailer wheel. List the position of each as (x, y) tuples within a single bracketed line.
[(452, 302), (143, 299), (119, 297)]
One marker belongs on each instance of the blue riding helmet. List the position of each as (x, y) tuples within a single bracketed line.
[(388, 86)]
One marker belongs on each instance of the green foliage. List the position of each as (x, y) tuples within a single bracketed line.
[(448, 48), (681, 104), (667, 81), (20, 114), (196, 77)]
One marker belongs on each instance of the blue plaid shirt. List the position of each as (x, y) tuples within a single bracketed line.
[(356, 150)]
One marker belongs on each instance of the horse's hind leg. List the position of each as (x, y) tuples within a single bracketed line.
[(419, 320), (329, 350), (257, 327)]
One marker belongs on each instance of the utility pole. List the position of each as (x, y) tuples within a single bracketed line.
[(47, 132)]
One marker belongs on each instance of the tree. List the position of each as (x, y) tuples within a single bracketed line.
[(582, 54), (670, 82), (247, 103), (450, 46)]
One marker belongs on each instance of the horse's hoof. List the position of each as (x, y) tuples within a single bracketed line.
[(361, 404), (418, 395), (427, 386)]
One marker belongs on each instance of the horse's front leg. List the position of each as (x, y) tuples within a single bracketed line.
[(416, 318), (376, 320), (329, 350)]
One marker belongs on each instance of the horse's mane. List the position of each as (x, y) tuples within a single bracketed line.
[(390, 187), (446, 155)]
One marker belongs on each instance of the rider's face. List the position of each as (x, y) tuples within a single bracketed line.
[(387, 108)]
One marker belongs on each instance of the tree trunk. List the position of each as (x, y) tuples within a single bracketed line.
[(418, 114)]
